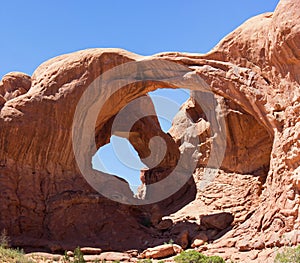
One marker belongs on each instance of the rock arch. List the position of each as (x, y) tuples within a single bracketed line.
[(40, 180)]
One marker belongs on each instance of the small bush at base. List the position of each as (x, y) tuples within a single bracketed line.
[(4, 239), (289, 255), (13, 256), (78, 256), (193, 256), (214, 259)]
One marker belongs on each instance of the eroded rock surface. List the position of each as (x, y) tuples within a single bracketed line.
[(254, 73)]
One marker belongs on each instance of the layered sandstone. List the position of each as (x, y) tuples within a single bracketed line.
[(253, 74)]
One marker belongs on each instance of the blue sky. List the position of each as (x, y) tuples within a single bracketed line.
[(34, 31)]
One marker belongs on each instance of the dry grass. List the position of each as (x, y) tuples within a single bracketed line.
[(8, 255)]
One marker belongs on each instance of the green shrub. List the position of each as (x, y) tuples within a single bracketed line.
[(193, 256), (289, 255), (4, 239), (8, 254), (13, 256), (171, 242), (214, 259), (66, 258), (78, 256)]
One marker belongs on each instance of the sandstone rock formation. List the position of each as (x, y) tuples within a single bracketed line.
[(161, 251), (253, 74), (14, 84)]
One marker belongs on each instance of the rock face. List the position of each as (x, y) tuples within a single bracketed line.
[(45, 200), (248, 143)]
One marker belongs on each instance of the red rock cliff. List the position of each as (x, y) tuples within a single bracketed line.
[(254, 73)]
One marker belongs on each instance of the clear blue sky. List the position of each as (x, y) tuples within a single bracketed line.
[(34, 31)]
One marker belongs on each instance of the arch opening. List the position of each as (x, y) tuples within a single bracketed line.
[(119, 157)]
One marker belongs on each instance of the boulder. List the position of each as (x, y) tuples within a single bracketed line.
[(164, 224), (112, 256), (218, 221), (183, 239), (90, 250), (199, 240), (162, 251), (108, 256)]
